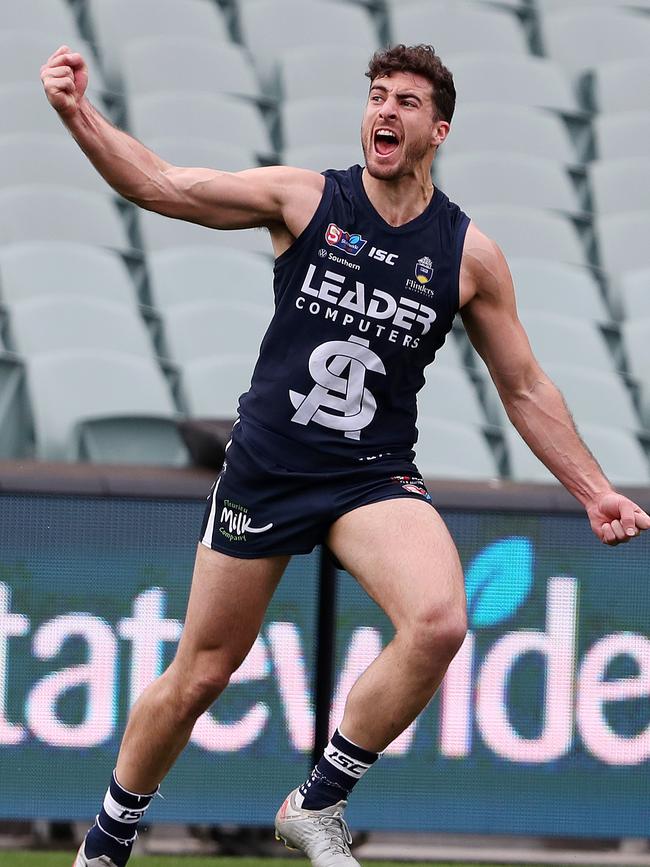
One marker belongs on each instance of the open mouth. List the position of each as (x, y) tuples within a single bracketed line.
[(385, 141)]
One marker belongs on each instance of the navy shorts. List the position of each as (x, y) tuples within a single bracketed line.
[(258, 508)]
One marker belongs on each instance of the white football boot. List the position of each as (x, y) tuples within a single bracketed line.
[(322, 835), (101, 861)]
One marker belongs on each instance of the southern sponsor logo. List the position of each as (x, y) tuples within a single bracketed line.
[(236, 522), (350, 242), (383, 256)]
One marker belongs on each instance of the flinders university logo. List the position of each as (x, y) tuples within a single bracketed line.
[(424, 270)]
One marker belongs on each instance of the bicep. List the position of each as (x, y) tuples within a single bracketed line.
[(491, 320), (233, 200)]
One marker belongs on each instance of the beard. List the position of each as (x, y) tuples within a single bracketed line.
[(412, 154)]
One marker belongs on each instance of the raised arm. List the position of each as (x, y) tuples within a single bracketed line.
[(533, 403), (279, 198)]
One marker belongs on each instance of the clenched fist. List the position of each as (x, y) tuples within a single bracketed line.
[(65, 78)]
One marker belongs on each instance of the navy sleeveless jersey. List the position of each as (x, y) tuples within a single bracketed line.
[(361, 308)]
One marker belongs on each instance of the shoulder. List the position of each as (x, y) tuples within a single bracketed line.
[(484, 270)]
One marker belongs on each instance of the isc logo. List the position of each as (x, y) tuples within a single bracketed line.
[(383, 256)]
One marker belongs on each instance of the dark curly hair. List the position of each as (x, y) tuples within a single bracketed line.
[(421, 60)]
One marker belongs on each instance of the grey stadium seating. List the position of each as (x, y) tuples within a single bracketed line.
[(321, 121), (25, 51), (189, 274), (307, 72), (52, 18), (25, 109), (495, 128), (52, 324), (636, 336), (151, 65), (321, 157), (449, 394), (620, 184), (622, 85), (51, 268), (272, 27), (457, 27), (103, 406), (529, 233), (39, 159), (548, 286), (452, 450), (507, 178), (595, 396), (634, 291), (623, 241), (203, 152), (115, 22), (160, 233), (581, 39), (206, 328), (212, 385), (566, 340), (44, 213), (623, 134), (220, 118)]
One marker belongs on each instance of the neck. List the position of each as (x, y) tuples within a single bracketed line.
[(400, 200)]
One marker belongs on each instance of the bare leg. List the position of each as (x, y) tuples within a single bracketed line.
[(228, 599), (401, 553)]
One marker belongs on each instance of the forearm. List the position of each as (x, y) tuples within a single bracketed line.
[(541, 416), (128, 166)]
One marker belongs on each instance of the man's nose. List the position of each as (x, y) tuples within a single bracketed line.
[(388, 108)]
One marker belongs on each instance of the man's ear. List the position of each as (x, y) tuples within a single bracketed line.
[(439, 132)]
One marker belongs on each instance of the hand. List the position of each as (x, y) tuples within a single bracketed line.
[(615, 519), (65, 78)]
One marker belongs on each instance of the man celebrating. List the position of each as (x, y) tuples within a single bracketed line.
[(372, 264)]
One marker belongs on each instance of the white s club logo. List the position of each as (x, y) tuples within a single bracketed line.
[(345, 394)]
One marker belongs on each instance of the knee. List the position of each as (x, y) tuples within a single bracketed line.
[(197, 686), (436, 635)]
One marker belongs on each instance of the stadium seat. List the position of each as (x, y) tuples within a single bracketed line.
[(218, 68), (73, 393), (42, 213), (548, 286), (622, 85), (566, 340), (621, 135), (25, 51), (449, 394), (46, 159), (212, 386), (507, 179), (529, 233), (207, 328), (308, 122), (636, 339), (51, 269), (448, 450), (581, 39), (617, 451), (594, 396), (159, 233), (457, 27), (524, 465), (620, 184), (116, 22), (202, 115), (307, 72), (16, 440), (24, 109), (190, 274), (52, 18), (532, 81), (46, 325), (272, 27), (552, 5), (496, 128), (318, 158), (203, 152), (623, 241), (634, 291)]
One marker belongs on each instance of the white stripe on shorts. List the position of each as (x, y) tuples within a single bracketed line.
[(209, 530)]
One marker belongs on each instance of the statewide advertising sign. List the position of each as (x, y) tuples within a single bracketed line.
[(542, 725)]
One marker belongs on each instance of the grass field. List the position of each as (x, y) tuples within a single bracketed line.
[(64, 859)]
